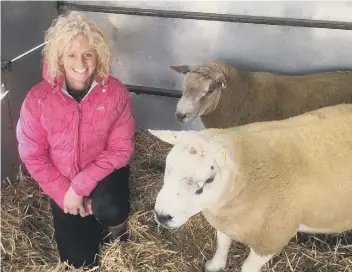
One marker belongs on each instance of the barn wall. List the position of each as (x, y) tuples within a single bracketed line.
[(22, 28)]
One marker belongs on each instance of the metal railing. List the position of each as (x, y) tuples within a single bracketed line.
[(234, 18)]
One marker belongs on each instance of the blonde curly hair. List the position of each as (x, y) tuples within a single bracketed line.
[(58, 38)]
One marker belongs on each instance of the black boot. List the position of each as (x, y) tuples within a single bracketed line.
[(120, 232)]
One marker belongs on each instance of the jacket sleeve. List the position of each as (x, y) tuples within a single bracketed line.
[(33, 150), (119, 150)]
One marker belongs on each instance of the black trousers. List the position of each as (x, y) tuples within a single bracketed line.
[(78, 238)]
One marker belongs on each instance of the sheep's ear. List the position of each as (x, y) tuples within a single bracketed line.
[(183, 69), (169, 136)]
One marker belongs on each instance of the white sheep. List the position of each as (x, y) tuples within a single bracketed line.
[(262, 183), (223, 96)]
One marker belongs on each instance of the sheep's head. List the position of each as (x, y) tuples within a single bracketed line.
[(196, 176), (202, 90)]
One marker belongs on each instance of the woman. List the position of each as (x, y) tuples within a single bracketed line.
[(76, 137)]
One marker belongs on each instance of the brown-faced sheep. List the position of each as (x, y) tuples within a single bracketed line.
[(261, 184), (223, 96)]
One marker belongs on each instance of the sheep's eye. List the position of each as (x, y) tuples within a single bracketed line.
[(213, 86), (210, 91), (210, 180), (199, 191)]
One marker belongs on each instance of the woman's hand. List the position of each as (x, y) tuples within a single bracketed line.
[(73, 203), (88, 205)]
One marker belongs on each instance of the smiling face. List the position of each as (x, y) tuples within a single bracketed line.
[(196, 176), (79, 63)]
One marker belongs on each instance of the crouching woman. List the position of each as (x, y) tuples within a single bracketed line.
[(76, 137)]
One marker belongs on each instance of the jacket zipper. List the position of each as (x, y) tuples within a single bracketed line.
[(78, 145)]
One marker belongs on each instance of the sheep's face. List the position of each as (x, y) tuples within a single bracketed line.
[(202, 91), (196, 176)]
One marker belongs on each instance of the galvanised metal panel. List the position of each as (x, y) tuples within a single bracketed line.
[(145, 47), (157, 112), (314, 10)]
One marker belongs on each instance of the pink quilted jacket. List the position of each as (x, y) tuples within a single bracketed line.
[(64, 143)]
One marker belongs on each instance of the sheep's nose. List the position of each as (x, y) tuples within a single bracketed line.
[(180, 116), (162, 218)]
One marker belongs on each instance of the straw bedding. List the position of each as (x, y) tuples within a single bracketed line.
[(27, 235)]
